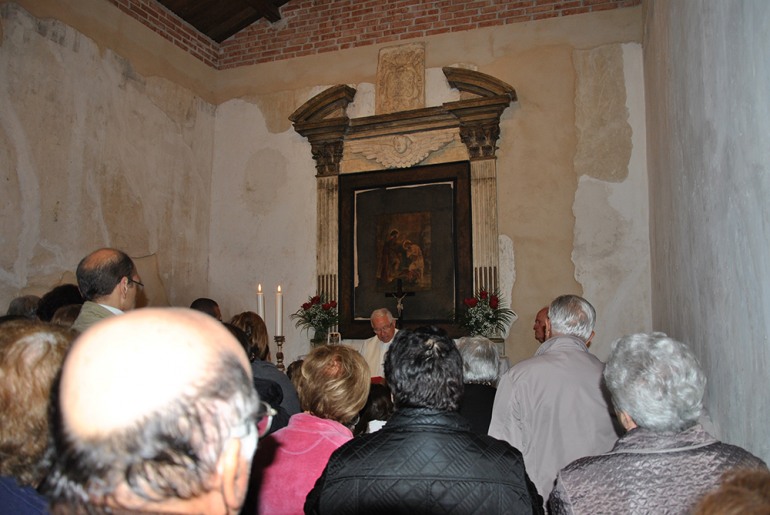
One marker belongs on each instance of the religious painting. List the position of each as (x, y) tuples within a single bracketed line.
[(404, 245)]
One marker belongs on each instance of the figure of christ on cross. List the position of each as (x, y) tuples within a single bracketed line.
[(400, 295)]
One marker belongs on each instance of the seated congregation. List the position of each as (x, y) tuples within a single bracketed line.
[(169, 410)]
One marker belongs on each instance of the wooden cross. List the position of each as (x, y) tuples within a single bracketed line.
[(399, 295)]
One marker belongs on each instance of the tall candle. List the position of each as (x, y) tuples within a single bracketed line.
[(279, 312), (260, 302)]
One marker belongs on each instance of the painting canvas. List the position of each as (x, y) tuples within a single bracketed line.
[(404, 233), (403, 246), (398, 232)]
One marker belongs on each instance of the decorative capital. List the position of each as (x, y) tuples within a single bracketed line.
[(327, 156), (481, 140)]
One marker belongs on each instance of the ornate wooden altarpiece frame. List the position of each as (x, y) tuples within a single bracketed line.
[(463, 130)]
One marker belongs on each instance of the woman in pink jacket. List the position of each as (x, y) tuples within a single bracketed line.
[(333, 386)]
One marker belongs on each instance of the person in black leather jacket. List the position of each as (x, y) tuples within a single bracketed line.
[(425, 459)]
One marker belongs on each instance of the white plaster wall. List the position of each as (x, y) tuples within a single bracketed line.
[(707, 70), (92, 154), (612, 248), (263, 218)]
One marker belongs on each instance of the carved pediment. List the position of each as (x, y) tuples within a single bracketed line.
[(323, 104), (478, 83), (405, 138)]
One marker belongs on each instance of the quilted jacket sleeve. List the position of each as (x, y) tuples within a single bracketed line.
[(313, 499), (559, 502)]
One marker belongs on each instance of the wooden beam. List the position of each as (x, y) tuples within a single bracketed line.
[(266, 8)]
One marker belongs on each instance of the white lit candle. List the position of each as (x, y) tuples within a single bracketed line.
[(260, 302), (279, 312)]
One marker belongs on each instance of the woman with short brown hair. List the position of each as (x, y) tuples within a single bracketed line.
[(333, 385)]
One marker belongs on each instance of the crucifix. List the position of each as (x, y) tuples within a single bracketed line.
[(399, 295)]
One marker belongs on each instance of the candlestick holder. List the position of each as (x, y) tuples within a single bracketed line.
[(279, 341)]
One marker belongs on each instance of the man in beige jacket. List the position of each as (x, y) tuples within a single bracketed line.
[(552, 407), (109, 283)]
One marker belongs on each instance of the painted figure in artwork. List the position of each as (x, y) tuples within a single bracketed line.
[(416, 262), (390, 258), (403, 251)]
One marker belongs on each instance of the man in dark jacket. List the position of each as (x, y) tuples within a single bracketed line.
[(425, 459)]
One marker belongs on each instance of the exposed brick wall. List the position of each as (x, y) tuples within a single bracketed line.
[(316, 26), (170, 26)]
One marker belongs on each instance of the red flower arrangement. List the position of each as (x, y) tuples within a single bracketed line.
[(317, 314), (484, 315)]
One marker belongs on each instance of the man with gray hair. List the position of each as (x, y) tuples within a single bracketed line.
[(373, 350), (552, 407)]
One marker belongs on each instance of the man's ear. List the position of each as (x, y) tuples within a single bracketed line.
[(123, 285), (626, 421), (234, 472), (588, 342), (547, 328)]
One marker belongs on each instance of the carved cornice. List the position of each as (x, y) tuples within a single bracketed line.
[(326, 135)]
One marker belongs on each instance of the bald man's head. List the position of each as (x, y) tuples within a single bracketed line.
[(541, 323), (158, 394), (100, 272)]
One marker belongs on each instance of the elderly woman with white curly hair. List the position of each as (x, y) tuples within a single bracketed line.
[(666, 461), (481, 365)]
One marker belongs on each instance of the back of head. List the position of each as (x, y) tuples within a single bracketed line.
[(256, 330), (481, 360), (573, 316), (25, 306), (208, 306), (65, 316), (333, 383), (379, 406), (62, 295), (293, 370), (424, 369), (742, 492), (100, 272), (656, 380), (239, 335), (31, 354), (149, 402)]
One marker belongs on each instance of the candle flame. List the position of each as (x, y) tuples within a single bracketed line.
[(279, 288), (259, 288)]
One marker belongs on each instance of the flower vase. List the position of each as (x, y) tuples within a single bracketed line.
[(319, 338)]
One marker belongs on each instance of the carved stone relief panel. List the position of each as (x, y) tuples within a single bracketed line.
[(401, 150), (400, 79)]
